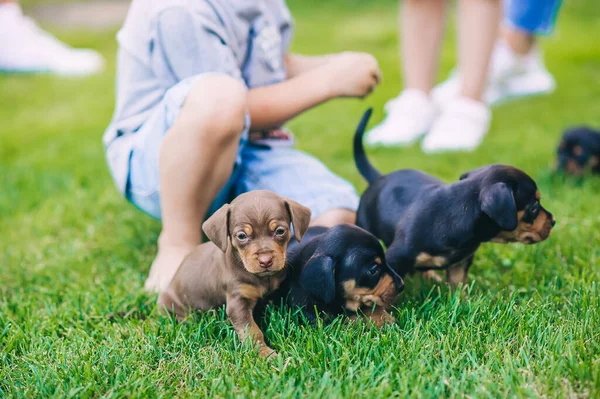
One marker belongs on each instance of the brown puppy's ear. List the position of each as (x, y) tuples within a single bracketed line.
[(498, 202), (300, 217), (216, 227)]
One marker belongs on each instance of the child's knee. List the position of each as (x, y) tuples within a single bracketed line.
[(215, 108)]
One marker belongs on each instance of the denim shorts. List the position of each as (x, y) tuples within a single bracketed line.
[(284, 170), (533, 16)]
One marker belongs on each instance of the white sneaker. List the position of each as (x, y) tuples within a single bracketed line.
[(518, 75), (449, 89), (409, 116), (511, 76), (26, 48), (461, 127)]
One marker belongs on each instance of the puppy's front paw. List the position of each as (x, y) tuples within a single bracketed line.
[(378, 316), (382, 317), (267, 353), (432, 276), (370, 300)]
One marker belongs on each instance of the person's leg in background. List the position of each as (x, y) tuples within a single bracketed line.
[(465, 119), (25, 48), (422, 25), (516, 68), (477, 31), (465, 122), (411, 114), (520, 42)]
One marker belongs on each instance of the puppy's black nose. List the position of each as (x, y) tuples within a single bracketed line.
[(398, 282), (265, 261), (553, 222), (400, 286)]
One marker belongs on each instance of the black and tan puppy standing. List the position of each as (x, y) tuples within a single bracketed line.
[(579, 151), (428, 225), (341, 270), (243, 263)]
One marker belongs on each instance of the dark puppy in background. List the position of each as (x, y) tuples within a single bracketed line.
[(244, 262), (429, 225), (340, 270), (579, 150)]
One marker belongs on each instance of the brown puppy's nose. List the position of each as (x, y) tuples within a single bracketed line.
[(265, 260), (553, 222)]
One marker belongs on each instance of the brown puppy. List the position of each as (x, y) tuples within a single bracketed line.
[(244, 261)]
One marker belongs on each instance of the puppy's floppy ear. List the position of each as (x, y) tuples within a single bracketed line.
[(498, 202), (216, 227), (317, 278), (300, 217)]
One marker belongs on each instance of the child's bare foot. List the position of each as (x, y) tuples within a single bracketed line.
[(165, 264)]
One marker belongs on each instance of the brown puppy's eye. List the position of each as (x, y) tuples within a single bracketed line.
[(241, 236), (280, 231)]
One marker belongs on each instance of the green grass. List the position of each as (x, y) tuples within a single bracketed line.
[(75, 254)]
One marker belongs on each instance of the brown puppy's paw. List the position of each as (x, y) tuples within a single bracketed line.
[(169, 304), (267, 353), (432, 276)]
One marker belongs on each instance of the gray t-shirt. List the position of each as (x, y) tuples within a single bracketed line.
[(166, 41)]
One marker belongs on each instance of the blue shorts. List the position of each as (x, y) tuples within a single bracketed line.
[(284, 170), (533, 16)]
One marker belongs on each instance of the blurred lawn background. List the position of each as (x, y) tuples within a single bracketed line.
[(75, 253)]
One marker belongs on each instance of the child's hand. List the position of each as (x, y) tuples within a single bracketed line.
[(352, 74)]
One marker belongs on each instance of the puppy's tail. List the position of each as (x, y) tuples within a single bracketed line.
[(360, 158)]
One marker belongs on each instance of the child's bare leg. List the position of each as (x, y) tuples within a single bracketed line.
[(478, 22), (465, 120), (520, 41), (422, 25), (333, 217), (411, 114), (196, 160)]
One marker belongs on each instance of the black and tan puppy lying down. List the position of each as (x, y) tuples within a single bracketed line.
[(579, 151), (243, 263), (340, 270), (428, 225)]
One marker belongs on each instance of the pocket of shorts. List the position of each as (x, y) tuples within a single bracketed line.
[(131, 191), (141, 182), (148, 201)]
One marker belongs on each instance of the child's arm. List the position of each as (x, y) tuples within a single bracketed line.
[(296, 64), (343, 75)]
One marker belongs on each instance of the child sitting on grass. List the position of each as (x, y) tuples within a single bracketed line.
[(203, 88)]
